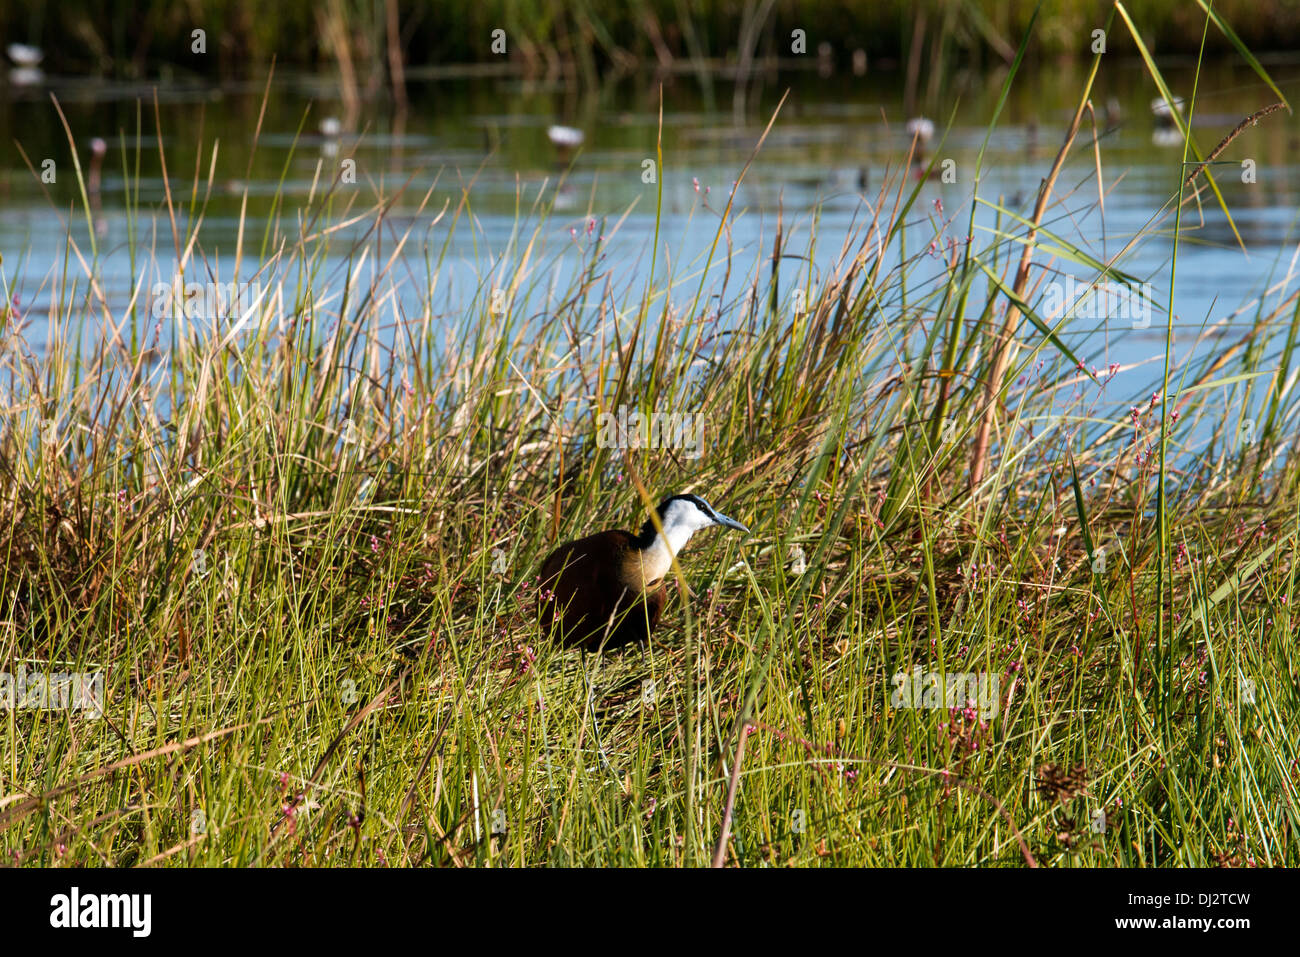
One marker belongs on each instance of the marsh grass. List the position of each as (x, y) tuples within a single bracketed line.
[(302, 543)]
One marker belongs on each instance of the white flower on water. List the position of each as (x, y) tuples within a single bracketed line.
[(565, 136)]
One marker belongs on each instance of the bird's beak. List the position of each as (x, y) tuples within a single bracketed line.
[(730, 523)]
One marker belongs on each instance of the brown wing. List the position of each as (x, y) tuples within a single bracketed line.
[(582, 586)]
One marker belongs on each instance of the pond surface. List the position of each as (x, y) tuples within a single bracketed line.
[(833, 145)]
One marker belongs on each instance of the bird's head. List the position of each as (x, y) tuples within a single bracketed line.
[(681, 517)]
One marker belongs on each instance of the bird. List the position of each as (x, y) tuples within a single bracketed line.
[(607, 590)]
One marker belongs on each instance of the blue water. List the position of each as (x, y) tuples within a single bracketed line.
[(834, 145)]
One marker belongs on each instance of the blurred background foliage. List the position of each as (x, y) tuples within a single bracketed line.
[(125, 40)]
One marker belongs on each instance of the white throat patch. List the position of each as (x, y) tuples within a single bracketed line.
[(681, 520)]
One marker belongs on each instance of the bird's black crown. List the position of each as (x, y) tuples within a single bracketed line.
[(648, 530), (699, 503)]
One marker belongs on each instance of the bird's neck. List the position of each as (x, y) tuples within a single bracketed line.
[(656, 549)]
